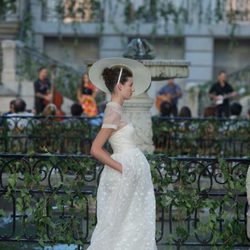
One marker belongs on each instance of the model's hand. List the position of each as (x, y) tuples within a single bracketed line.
[(120, 169)]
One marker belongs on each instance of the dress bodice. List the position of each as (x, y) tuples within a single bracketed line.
[(123, 139)]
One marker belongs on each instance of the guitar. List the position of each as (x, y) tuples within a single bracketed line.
[(220, 98), (162, 98)]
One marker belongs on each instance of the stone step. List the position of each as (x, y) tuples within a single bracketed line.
[(7, 36), (9, 27)]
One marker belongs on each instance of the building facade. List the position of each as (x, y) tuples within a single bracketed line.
[(96, 29), (211, 34)]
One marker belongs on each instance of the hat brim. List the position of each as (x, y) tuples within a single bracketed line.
[(141, 75)]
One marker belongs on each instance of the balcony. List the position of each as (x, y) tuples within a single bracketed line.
[(67, 11)]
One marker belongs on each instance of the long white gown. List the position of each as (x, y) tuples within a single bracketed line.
[(125, 201)]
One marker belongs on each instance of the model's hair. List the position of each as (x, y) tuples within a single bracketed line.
[(111, 75)]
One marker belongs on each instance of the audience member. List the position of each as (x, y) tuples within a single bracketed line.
[(235, 110), (76, 109), (49, 110), (11, 111), (19, 119), (185, 112), (165, 109), (11, 108)]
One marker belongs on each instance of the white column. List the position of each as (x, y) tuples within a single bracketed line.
[(138, 111), (9, 64), (192, 92)]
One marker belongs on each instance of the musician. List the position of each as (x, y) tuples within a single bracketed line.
[(170, 93), (220, 92), (42, 88)]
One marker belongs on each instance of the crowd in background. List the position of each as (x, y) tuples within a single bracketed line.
[(87, 105)]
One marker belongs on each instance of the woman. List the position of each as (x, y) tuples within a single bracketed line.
[(86, 96), (125, 195)]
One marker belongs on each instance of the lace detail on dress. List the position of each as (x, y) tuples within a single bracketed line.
[(126, 215), (113, 116)]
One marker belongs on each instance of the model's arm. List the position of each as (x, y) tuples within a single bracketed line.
[(100, 153)]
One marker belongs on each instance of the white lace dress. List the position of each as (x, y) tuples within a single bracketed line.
[(125, 201)]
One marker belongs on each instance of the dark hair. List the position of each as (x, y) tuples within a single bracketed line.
[(111, 75), (236, 109), (76, 109), (165, 109), (221, 72), (19, 105), (185, 112), (12, 102), (83, 88), (41, 68)]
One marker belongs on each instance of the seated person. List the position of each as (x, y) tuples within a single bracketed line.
[(185, 112), (165, 109), (235, 110), (49, 110), (19, 119)]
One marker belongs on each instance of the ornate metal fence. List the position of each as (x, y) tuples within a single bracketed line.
[(173, 136), (47, 134), (51, 199), (202, 137)]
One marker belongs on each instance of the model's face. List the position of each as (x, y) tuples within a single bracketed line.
[(127, 88)]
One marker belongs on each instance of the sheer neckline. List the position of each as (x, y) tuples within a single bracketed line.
[(115, 104)]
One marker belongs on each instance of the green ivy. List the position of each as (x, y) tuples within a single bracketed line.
[(61, 207)]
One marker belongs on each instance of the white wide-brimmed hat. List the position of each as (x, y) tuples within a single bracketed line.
[(141, 75)]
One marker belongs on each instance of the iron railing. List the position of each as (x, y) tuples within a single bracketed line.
[(46, 198), (47, 134), (202, 137), (173, 136)]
